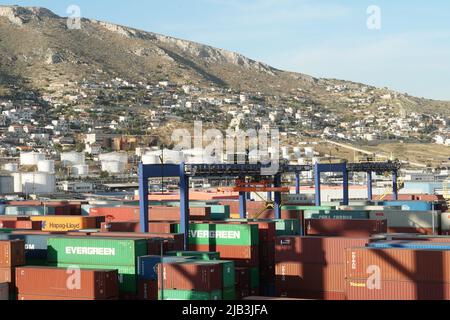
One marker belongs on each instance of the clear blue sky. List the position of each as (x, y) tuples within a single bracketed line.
[(326, 38)]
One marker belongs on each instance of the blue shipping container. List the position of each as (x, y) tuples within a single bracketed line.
[(147, 265), (410, 245)]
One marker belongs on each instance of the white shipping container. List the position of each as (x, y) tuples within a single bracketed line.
[(409, 219)]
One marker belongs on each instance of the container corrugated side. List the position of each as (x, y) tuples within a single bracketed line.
[(223, 234)]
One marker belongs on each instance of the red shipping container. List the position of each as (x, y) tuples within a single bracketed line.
[(14, 218), (242, 277), (82, 283), (397, 290), (147, 289), (12, 253), (191, 276), (329, 296), (345, 228), (243, 256), (310, 277), (129, 226), (132, 213), (424, 231), (20, 224), (398, 264), (54, 298), (315, 250)]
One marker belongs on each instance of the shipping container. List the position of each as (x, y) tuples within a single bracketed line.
[(96, 251), (345, 228), (12, 253), (4, 291), (291, 276), (147, 289), (24, 225), (75, 283), (315, 250), (223, 234), (409, 205), (147, 265), (197, 254), (409, 220), (338, 214), (65, 223), (397, 290), (189, 295), (398, 264), (7, 275), (229, 293), (228, 272), (203, 277), (127, 275), (243, 256)]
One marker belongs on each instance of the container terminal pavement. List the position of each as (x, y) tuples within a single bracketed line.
[(298, 250)]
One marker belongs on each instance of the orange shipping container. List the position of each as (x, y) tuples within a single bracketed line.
[(12, 253), (65, 223)]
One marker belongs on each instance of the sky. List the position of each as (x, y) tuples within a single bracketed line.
[(401, 44)]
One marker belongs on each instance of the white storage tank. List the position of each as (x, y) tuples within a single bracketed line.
[(309, 152), (38, 183), (150, 158), (6, 184), (80, 170), (114, 157), (47, 166), (17, 176), (69, 159), (113, 167), (31, 158), (297, 152), (11, 167)]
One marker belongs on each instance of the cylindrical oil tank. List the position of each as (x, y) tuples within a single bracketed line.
[(69, 159), (150, 158), (80, 170), (309, 152), (38, 183), (11, 167), (114, 157), (6, 184), (47, 166), (113, 167), (17, 176), (31, 158)]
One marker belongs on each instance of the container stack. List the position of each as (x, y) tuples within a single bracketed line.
[(399, 271), (12, 255), (312, 267), (190, 281), (101, 253)]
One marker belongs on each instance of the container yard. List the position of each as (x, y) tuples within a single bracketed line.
[(229, 246)]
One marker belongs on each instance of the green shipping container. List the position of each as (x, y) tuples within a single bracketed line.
[(228, 272), (96, 251), (229, 293), (283, 227), (223, 234), (128, 277), (196, 254), (189, 295), (254, 278)]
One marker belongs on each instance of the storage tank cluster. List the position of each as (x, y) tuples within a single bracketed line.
[(114, 162), (41, 182)]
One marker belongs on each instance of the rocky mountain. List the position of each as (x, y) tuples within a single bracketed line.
[(38, 51)]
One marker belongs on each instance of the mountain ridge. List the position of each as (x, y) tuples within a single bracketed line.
[(37, 49)]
